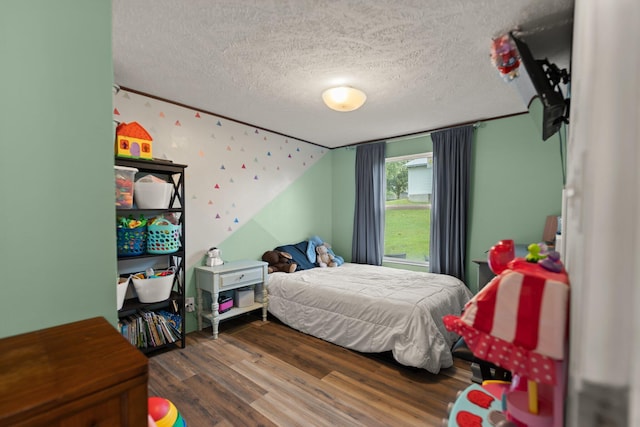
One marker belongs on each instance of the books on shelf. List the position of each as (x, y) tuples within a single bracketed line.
[(147, 329)]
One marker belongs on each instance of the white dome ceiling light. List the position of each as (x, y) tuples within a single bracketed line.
[(344, 98)]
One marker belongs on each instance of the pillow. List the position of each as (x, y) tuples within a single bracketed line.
[(298, 254)]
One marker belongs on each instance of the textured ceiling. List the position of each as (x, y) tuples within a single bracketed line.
[(423, 64)]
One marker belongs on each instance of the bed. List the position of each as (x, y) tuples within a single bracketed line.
[(373, 309)]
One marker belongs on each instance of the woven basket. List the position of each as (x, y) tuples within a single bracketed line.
[(132, 241), (163, 237)]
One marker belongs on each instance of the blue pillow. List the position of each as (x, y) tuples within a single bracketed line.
[(298, 254)]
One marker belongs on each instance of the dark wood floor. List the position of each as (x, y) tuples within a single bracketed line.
[(266, 374)]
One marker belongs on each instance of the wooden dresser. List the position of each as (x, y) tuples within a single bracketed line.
[(79, 374)]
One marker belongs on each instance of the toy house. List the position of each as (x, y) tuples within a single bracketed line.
[(132, 140)]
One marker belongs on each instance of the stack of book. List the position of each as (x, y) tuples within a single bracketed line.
[(151, 329)]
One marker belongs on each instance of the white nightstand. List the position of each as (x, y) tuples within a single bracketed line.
[(229, 276)]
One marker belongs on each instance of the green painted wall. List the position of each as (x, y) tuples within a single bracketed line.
[(58, 249), (343, 193), (516, 182)]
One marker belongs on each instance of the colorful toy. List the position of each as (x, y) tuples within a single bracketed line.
[(131, 222), (552, 262), (132, 140), (474, 405), (131, 236), (518, 322), (164, 413), (124, 177), (505, 57), (537, 252)]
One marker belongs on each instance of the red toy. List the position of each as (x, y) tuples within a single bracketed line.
[(163, 413), (519, 322), (505, 57)]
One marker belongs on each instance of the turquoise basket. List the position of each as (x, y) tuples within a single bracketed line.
[(163, 237)]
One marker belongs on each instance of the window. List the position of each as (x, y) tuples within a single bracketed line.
[(408, 208)]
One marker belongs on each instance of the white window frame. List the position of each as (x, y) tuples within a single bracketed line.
[(409, 157)]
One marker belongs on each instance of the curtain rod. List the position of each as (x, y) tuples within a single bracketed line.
[(475, 125)]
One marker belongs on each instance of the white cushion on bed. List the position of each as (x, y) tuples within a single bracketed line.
[(373, 309)]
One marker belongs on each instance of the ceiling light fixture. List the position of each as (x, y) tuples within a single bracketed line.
[(344, 98)]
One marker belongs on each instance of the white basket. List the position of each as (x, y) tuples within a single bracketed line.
[(152, 195), (121, 292), (155, 289)]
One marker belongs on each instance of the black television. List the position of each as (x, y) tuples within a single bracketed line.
[(542, 79)]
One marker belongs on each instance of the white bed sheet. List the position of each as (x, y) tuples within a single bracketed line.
[(373, 309)]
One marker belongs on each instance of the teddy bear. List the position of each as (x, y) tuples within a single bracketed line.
[(279, 261), (324, 258)]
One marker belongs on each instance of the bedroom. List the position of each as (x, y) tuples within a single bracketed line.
[(58, 290)]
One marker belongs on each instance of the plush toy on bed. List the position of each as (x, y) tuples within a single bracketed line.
[(324, 258), (312, 253), (279, 261)]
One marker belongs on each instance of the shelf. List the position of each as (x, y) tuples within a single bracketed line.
[(126, 212), (155, 165), (147, 350), (132, 305), (235, 311), (179, 253)]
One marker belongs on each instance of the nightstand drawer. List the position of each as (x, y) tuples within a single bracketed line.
[(235, 278)]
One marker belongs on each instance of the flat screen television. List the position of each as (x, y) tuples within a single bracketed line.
[(541, 79)]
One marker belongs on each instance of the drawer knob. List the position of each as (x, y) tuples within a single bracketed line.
[(242, 275)]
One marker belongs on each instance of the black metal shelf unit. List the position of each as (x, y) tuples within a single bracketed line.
[(174, 174)]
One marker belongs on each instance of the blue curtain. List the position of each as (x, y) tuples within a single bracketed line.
[(450, 200), (368, 221)]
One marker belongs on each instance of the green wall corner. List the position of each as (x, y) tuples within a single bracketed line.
[(58, 217)]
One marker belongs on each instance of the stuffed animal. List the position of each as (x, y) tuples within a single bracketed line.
[(312, 254), (324, 258), (279, 261)]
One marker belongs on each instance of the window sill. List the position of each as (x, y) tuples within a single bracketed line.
[(401, 263)]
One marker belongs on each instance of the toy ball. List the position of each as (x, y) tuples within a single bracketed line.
[(164, 412)]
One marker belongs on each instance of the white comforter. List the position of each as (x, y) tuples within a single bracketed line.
[(373, 309)]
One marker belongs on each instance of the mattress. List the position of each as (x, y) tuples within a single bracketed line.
[(373, 309)]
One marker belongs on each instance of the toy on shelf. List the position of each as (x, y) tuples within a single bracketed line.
[(519, 322), (131, 236), (132, 140)]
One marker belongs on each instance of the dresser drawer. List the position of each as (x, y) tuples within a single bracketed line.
[(242, 277)]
